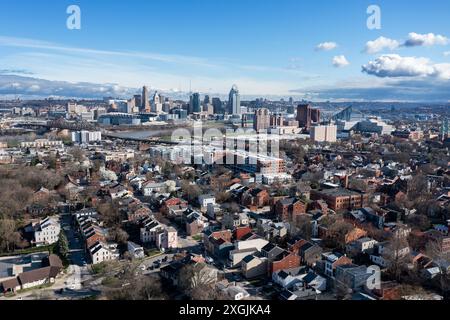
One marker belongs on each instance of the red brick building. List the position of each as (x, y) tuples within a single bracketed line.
[(255, 198), (341, 199), (289, 209), (286, 260)]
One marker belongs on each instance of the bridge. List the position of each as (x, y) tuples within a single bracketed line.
[(52, 124)]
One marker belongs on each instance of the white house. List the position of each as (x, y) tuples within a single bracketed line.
[(231, 221), (101, 251), (362, 245), (383, 251), (151, 187), (46, 232), (284, 279), (150, 228), (135, 250), (205, 199), (167, 239)]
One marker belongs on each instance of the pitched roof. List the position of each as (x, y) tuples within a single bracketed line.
[(38, 274), (10, 284)]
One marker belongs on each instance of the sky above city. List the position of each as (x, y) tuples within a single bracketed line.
[(317, 50)]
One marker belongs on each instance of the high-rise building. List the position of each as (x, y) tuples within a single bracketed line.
[(85, 137), (234, 101), (276, 120), (194, 103), (145, 103), (445, 130), (262, 120), (306, 115), (138, 100), (217, 105), (326, 133), (156, 105), (315, 115)]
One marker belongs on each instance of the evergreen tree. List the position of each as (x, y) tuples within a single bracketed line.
[(62, 246)]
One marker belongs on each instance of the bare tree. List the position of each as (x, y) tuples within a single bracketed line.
[(303, 226), (397, 255), (195, 279), (435, 251), (8, 234)]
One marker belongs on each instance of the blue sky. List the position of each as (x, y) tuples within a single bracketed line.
[(266, 47)]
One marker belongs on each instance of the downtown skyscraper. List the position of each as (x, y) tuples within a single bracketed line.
[(194, 103), (234, 101), (145, 103)]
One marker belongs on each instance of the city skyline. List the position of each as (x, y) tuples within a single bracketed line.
[(318, 52)]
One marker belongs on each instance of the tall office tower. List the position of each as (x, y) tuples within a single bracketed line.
[(131, 104), (145, 103), (445, 129), (262, 120), (156, 105), (304, 115), (315, 115), (218, 106), (234, 101), (276, 121), (207, 100), (138, 100), (291, 100), (194, 103)]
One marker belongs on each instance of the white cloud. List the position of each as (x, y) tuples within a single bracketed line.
[(447, 53), (34, 88), (326, 46), (394, 66), (381, 44), (430, 39), (340, 61)]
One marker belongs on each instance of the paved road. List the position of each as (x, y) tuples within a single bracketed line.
[(77, 254)]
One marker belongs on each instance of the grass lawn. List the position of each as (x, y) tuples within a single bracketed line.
[(29, 251), (152, 252)]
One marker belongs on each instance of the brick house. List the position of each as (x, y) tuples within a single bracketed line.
[(241, 232), (289, 209), (256, 198), (285, 260), (341, 199)]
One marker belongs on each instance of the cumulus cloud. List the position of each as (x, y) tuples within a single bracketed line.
[(326, 46), (429, 39), (395, 66), (447, 53), (340, 61), (381, 44)]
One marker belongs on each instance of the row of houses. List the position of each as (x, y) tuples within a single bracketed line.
[(95, 237)]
